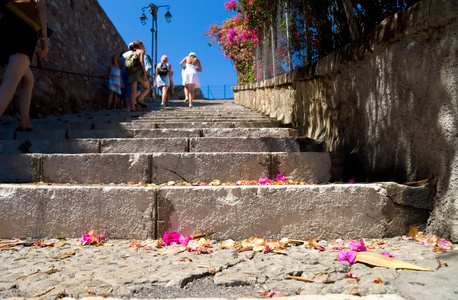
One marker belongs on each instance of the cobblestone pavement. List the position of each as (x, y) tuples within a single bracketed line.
[(119, 271)]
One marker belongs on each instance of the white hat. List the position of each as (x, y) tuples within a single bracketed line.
[(131, 46), (192, 54)]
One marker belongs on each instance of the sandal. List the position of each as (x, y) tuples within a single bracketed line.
[(143, 105), (24, 129)]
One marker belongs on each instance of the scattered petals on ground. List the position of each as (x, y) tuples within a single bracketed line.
[(91, 238)]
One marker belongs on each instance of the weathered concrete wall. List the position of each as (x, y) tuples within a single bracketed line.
[(83, 41), (391, 98)]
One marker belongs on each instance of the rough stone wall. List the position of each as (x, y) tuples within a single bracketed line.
[(83, 41), (391, 98)]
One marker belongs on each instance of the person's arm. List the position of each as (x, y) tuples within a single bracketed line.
[(44, 28), (142, 62), (200, 66), (170, 76), (155, 77), (183, 62)]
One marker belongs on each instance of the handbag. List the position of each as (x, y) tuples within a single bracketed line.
[(27, 11)]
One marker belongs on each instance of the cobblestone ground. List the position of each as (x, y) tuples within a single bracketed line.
[(119, 271)]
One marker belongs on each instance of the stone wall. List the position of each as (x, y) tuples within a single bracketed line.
[(390, 98), (83, 42)]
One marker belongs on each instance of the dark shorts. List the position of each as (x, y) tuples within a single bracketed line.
[(16, 37), (137, 76)]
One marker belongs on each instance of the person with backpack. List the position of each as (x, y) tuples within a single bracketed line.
[(164, 79), (136, 70)]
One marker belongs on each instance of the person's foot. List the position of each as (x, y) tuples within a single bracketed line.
[(162, 106), (143, 105), (190, 106), (186, 100)]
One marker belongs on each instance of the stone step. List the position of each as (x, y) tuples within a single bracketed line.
[(151, 145), (9, 133), (232, 212), (155, 133), (161, 168)]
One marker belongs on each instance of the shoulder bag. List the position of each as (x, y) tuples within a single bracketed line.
[(27, 11)]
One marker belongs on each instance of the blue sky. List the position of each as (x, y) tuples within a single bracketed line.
[(190, 19)]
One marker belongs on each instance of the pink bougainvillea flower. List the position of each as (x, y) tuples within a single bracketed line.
[(200, 250), (101, 237), (351, 275), (264, 181), (318, 280), (185, 240), (273, 294), (320, 248), (357, 246), (444, 244), (405, 237), (86, 239), (171, 238), (91, 238), (347, 256), (387, 254), (351, 180), (281, 177)]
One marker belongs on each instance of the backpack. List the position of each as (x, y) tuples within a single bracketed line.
[(163, 69), (132, 62)]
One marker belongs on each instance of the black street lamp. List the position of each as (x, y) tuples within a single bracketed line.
[(152, 8)]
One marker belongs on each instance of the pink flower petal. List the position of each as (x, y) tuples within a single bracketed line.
[(444, 244), (185, 240), (347, 256), (357, 246), (387, 254)]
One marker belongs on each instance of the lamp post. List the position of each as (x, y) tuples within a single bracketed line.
[(152, 8)]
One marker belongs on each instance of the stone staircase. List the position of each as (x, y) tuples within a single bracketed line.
[(113, 171)]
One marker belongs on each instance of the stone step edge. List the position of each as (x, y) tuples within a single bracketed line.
[(154, 145), (233, 212), (163, 167), (299, 297), (270, 132)]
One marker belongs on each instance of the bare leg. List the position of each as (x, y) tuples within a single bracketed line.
[(128, 103), (164, 90), (116, 101), (144, 93), (186, 94), (17, 70), (191, 93), (110, 97), (133, 95), (25, 98)]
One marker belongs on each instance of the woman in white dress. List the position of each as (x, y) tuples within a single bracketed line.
[(190, 78)]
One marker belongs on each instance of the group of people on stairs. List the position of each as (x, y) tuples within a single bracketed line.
[(29, 21)]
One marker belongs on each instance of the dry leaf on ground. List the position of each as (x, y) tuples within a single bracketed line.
[(378, 260)]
